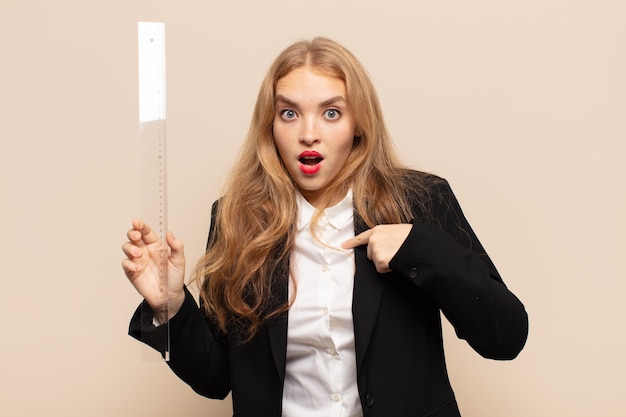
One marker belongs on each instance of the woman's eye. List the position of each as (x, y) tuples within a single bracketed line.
[(288, 114), (333, 114)]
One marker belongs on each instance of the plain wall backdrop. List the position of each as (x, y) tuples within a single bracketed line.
[(520, 105)]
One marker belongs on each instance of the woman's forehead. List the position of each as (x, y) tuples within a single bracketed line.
[(306, 82)]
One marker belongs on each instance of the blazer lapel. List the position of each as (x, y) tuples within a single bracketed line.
[(277, 334), (369, 287), (277, 327)]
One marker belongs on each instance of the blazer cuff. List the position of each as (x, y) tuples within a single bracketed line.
[(410, 260), (142, 325)]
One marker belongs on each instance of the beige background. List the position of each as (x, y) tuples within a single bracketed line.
[(521, 105)]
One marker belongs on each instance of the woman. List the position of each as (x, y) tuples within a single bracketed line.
[(327, 265)]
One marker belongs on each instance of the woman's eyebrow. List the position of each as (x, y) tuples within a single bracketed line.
[(332, 100), (281, 98)]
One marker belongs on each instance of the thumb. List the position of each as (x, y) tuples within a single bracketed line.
[(177, 248), (358, 240)]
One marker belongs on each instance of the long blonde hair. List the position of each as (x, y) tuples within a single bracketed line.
[(245, 263)]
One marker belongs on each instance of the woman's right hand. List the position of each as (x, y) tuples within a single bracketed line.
[(143, 250)]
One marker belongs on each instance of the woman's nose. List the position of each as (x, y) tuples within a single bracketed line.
[(309, 133)]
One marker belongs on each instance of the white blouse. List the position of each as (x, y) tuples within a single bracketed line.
[(320, 377)]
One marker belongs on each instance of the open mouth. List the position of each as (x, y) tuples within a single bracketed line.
[(310, 162)]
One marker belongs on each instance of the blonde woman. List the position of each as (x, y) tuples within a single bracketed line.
[(328, 264)]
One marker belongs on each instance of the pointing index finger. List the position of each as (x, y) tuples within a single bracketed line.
[(358, 240)]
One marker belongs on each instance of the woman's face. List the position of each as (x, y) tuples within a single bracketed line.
[(313, 129)]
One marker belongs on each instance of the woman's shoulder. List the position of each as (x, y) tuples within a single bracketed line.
[(429, 195), (425, 181)]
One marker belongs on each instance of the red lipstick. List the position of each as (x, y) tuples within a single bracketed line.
[(310, 162)]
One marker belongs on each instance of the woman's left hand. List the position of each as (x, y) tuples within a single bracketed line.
[(383, 242)]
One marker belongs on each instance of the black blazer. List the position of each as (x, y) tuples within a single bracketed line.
[(401, 368)]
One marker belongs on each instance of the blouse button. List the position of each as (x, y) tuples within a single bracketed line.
[(413, 273)]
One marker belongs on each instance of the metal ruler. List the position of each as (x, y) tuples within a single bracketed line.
[(153, 151)]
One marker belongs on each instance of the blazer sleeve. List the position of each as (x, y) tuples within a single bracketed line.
[(444, 258), (199, 354), (196, 355)]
